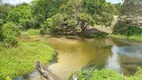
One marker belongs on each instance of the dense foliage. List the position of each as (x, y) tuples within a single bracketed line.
[(76, 15), (9, 32), (105, 74), (127, 30), (1, 34), (66, 16), (4, 10), (43, 9), (20, 15), (117, 8)]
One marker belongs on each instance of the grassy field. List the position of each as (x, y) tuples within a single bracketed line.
[(131, 38), (20, 60)]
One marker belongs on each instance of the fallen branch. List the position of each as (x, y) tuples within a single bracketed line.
[(47, 74)]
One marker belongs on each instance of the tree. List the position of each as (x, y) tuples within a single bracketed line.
[(20, 15), (79, 14), (43, 9), (54, 24), (58, 20), (84, 20), (117, 8), (4, 9), (101, 11), (71, 7), (72, 23)]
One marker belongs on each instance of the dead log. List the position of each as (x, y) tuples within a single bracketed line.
[(47, 74)]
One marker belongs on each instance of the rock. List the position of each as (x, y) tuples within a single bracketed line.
[(131, 12)]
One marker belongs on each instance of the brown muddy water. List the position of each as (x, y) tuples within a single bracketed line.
[(78, 54)]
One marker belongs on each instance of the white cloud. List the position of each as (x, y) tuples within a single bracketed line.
[(115, 1), (16, 1)]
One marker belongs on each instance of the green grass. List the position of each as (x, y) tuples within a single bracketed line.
[(31, 32), (106, 74), (132, 38), (18, 61)]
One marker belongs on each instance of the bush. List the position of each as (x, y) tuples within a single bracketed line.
[(127, 30), (9, 33), (82, 75), (1, 22), (20, 15), (0, 34), (46, 26), (105, 74)]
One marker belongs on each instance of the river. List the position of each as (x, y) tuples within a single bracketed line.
[(78, 54)]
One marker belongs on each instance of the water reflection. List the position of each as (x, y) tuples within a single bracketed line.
[(130, 51), (125, 59), (113, 61)]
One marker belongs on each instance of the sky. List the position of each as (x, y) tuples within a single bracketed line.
[(114, 1), (17, 1)]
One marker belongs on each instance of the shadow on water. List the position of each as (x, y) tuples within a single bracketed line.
[(80, 54)]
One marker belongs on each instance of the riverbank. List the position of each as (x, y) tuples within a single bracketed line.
[(137, 38), (20, 60), (98, 34), (105, 74), (35, 47)]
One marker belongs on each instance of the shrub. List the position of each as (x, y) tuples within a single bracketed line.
[(82, 75), (127, 30), (20, 15), (105, 74), (46, 26), (0, 34), (9, 33)]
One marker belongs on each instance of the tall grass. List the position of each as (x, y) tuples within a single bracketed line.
[(132, 37), (31, 32), (18, 61)]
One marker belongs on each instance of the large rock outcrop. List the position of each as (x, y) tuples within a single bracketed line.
[(131, 12)]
